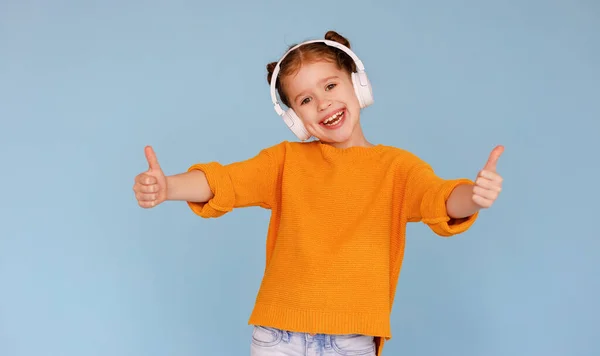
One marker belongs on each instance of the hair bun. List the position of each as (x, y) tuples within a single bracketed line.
[(270, 69), (334, 36)]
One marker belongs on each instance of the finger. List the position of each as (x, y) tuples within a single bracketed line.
[(144, 188), (147, 204), (481, 201), (493, 159), (151, 188), (485, 193), (151, 158), (146, 196), (491, 175), (488, 184), (146, 179)]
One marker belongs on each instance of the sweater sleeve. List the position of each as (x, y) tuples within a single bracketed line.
[(426, 196), (252, 182)]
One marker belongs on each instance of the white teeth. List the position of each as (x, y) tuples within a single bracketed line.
[(333, 119)]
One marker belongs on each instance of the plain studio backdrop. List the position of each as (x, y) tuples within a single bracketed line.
[(85, 85)]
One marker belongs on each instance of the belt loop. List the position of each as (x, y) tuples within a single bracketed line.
[(286, 336), (328, 342)]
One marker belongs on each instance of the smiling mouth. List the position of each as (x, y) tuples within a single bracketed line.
[(334, 119)]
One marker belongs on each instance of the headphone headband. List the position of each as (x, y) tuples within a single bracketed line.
[(359, 66)]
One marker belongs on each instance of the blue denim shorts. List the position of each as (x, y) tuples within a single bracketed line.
[(268, 341)]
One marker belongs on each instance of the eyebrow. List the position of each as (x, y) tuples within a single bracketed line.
[(320, 82)]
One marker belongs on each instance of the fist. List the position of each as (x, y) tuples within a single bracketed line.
[(488, 183), (150, 187)]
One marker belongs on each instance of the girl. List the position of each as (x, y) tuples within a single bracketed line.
[(339, 208)]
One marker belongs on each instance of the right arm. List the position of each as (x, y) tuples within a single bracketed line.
[(212, 189), (251, 182)]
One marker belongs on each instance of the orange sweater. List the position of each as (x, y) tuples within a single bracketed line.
[(335, 241)]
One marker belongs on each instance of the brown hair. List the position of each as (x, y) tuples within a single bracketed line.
[(308, 53)]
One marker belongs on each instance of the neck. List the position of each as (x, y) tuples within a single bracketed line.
[(348, 144)]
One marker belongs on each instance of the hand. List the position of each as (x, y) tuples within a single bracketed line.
[(488, 183), (150, 187)]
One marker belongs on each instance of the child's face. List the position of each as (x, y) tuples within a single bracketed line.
[(323, 97)]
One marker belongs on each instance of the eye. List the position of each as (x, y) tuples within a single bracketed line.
[(305, 101), (330, 86)]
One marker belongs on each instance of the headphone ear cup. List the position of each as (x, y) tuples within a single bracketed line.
[(362, 89), (294, 123)]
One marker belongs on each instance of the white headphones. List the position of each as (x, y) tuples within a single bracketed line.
[(362, 89)]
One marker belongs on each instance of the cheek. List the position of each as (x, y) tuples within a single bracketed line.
[(349, 95), (302, 116), (304, 113)]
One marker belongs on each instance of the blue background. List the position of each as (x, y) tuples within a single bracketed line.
[(85, 85)]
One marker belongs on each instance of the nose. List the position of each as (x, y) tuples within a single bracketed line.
[(324, 103)]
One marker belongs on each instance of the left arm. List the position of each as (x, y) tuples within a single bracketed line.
[(450, 206), (466, 199), (460, 203)]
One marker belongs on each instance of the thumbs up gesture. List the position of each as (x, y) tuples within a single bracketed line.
[(150, 187), (488, 183)]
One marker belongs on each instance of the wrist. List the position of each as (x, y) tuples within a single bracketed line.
[(169, 188), (460, 204)]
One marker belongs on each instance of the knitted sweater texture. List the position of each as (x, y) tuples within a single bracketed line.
[(336, 236)]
